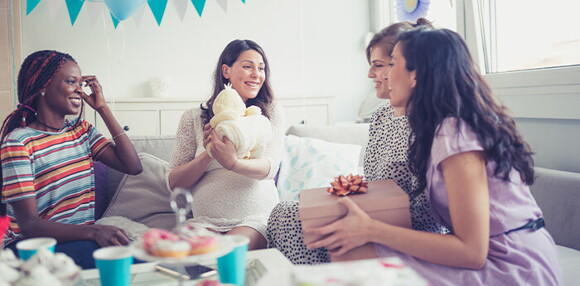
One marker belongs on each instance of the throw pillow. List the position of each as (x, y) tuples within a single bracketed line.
[(144, 198), (313, 163)]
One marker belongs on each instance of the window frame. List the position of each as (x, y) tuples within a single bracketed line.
[(549, 93)]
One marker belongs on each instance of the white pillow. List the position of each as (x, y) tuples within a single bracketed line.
[(313, 163), (144, 198)]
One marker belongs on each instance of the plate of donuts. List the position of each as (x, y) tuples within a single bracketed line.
[(167, 247)]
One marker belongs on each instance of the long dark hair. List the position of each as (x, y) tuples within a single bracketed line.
[(36, 73), (228, 57), (448, 85)]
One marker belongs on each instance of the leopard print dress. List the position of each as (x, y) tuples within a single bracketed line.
[(385, 158)]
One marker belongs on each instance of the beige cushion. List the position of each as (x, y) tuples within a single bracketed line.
[(144, 198)]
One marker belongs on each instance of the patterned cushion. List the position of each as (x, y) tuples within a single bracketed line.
[(313, 163)]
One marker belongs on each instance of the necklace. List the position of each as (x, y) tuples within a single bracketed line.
[(47, 126)]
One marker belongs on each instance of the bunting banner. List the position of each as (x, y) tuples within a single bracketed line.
[(74, 8), (121, 10), (180, 8), (158, 9), (138, 15), (223, 4), (199, 5), (54, 6), (94, 10), (115, 21), (30, 5)]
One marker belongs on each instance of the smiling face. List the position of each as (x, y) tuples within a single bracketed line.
[(247, 74), (401, 81), (377, 71), (63, 94)]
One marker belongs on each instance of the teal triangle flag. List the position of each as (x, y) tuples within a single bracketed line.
[(74, 8), (158, 9), (199, 5), (30, 5), (115, 21), (244, 1)]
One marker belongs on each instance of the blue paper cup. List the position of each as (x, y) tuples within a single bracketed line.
[(27, 248), (232, 266), (114, 264)]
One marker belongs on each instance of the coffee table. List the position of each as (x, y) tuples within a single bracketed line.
[(261, 265)]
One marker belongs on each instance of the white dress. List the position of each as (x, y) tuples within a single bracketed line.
[(224, 199)]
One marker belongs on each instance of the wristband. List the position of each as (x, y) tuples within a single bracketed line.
[(119, 135), (234, 165)]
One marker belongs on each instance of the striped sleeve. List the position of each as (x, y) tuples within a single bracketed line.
[(97, 141), (17, 172)]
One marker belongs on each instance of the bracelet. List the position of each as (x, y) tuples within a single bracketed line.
[(118, 135), (236, 162)]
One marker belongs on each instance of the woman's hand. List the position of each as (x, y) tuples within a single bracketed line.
[(223, 150), (207, 129), (96, 100), (105, 235), (346, 233)]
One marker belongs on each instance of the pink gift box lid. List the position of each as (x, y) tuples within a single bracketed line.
[(381, 195)]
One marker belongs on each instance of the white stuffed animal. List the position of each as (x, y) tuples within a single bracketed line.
[(247, 128)]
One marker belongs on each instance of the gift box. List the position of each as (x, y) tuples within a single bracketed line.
[(383, 201)]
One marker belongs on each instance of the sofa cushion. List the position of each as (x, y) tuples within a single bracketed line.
[(312, 163), (144, 198), (570, 261), (558, 195), (160, 146), (357, 134)]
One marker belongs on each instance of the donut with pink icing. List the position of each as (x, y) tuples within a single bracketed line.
[(159, 242), (201, 244)]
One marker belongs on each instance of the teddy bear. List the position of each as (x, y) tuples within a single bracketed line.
[(247, 128)]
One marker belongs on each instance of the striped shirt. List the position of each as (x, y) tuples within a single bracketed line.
[(54, 168)]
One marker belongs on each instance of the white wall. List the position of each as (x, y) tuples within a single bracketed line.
[(315, 47)]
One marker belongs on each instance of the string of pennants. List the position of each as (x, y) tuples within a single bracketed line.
[(122, 9)]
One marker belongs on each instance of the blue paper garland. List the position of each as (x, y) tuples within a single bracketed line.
[(74, 8), (199, 5), (157, 7)]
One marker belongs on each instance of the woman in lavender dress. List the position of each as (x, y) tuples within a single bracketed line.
[(474, 168), (385, 158)]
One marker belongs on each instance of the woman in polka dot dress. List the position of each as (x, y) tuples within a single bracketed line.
[(385, 158)]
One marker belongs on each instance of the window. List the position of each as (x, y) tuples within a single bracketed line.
[(530, 34)]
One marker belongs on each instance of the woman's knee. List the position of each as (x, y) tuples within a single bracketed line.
[(257, 240)]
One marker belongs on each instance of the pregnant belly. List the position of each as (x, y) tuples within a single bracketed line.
[(232, 196)]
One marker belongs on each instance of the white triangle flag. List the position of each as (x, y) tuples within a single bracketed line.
[(138, 15), (54, 7), (94, 9), (223, 4), (180, 8)]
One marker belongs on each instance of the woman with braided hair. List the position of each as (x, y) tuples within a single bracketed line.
[(48, 185)]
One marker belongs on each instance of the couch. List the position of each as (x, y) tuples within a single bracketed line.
[(556, 192)]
